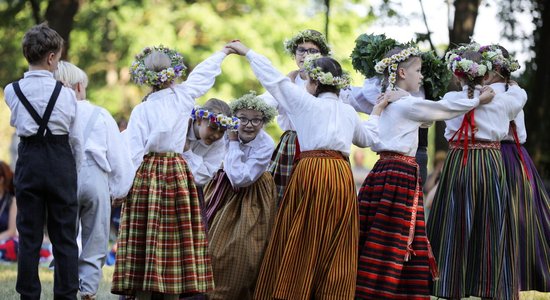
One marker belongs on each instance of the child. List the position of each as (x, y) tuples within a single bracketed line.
[(471, 215), (8, 212), (102, 175), (525, 184), (395, 259), (162, 245), (43, 112), (312, 252), (306, 42), (242, 202)]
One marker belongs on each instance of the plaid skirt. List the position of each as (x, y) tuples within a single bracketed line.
[(238, 235), (471, 227), (162, 244), (282, 162), (533, 206), (395, 259), (312, 253)]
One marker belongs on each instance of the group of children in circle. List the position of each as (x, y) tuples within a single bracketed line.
[(211, 206)]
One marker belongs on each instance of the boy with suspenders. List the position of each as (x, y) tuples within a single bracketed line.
[(43, 112)]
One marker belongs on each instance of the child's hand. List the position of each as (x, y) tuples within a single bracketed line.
[(487, 94), (380, 105), (512, 82), (392, 96), (233, 135), (237, 47)]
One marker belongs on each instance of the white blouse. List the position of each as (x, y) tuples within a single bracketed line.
[(493, 119), (105, 147), (399, 122), (520, 129), (160, 123), (204, 160), (283, 118), (245, 163), (322, 123)]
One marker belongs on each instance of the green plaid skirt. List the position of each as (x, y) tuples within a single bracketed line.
[(162, 245)]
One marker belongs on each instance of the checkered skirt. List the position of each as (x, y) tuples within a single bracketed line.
[(162, 245)]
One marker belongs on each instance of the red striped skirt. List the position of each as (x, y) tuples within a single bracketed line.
[(394, 252), (312, 253)]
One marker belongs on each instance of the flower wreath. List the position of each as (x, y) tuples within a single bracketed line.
[(493, 56), (316, 73), (230, 123), (140, 74), (253, 102), (463, 67), (391, 64), (307, 36)]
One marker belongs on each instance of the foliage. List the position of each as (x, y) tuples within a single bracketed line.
[(436, 75), (369, 49)]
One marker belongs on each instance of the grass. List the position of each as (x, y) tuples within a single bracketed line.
[(8, 275)]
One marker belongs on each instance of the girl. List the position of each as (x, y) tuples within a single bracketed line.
[(162, 245), (395, 258), (299, 46), (525, 184), (8, 212), (103, 174), (242, 202), (312, 252), (471, 217)]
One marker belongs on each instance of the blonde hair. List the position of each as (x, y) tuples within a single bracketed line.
[(157, 61), (70, 74)]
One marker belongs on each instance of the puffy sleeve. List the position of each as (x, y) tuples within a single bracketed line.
[(203, 76), (366, 132)]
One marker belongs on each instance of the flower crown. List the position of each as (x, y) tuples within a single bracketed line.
[(391, 64), (253, 102), (493, 56), (463, 67), (221, 120), (141, 75), (326, 78), (307, 36)]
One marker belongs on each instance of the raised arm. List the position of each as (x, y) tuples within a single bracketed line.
[(203, 76)]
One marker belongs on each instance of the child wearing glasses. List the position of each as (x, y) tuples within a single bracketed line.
[(241, 202), (305, 42)]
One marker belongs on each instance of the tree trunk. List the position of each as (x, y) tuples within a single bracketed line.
[(537, 108), (60, 16), (463, 28)]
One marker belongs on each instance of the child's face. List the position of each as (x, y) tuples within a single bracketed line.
[(251, 122), (209, 132), (303, 50), (411, 78)]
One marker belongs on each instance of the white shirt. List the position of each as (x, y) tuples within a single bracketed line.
[(363, 99), (105, 147), (520, 129), (493, 119), (283, 118), (160, 123), (400, 121), (204, 160), (322, 123), (245, 163)]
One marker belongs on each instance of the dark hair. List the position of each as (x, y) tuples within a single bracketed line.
[(403, 64), (327, 64), (476, 57), (217, 106), (7, 174), (504, 72), (315, 37), (40, 41)]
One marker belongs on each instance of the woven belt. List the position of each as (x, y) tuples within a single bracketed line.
[(476, 145)]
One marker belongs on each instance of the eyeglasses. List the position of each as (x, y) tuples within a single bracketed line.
[(302, 50), (255, 122)]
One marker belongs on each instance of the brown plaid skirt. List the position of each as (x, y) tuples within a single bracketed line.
[(162, 244)]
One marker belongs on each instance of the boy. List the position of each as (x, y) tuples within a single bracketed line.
[(43, 112)]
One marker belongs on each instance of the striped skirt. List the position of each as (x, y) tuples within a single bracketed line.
[(312, 253), (528, 193), (282, 162), (238, 235), (471, 227), (162, 244), (394, 252)]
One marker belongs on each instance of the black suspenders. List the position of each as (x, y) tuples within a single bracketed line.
[(42, 122)]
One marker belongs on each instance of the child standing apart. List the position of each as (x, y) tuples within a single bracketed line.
[(242, 202), (312, 252), (471, 225), (395, 258), (43, 113), (104, 173), (162, 244), (306, 42), (524, 182)]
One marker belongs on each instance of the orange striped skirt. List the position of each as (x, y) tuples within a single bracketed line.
[(312, 252)]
